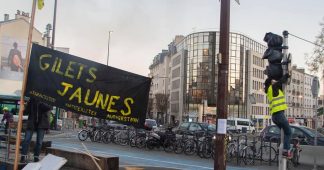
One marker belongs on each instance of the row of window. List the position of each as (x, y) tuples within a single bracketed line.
[(259, 98), (257, 110), (258, 61), (294, 112), (258, 73), (256, 85)]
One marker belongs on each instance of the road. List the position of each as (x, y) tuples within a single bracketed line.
[(129, 156)]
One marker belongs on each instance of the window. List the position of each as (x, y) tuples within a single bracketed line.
[(231, 122), (274, 130), (176, 84), (242, 123), (176, 61), (205, 52), (176, 72), (194, 127), (184, 126), (296, 132)]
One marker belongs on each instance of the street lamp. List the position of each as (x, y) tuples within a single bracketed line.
[(108, 45)]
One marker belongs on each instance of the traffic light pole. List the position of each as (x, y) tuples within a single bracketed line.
[(222, 88), (283, 160)]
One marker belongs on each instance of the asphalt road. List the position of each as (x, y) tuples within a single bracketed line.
[(129, 156)]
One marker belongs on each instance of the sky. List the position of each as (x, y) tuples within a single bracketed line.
[(142, 28)]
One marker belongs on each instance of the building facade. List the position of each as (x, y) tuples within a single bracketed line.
[(193, 66), (13, 44), (159, 71), (302, 104), (191, 81)]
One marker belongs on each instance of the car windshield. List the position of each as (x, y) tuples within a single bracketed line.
[(311, 132), (210, 127)]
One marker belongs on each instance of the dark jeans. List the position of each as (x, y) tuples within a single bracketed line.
[(39, 141), (281, 121)]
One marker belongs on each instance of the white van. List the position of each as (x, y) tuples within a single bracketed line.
[(237, 124)]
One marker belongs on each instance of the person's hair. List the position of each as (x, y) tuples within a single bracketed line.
[(15, 44)]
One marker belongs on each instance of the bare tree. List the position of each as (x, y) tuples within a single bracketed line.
[(315, 61), (162, 103), (149, 108)]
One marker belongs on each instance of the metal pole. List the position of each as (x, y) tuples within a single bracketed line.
[(316, 133), (108, 46), (222, 88), (23, 89), (57, 110), (54, 24), (283, 160), (203, 114)]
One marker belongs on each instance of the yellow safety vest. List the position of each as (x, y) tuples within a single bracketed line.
[(277, 103)]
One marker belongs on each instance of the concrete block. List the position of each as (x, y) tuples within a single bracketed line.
[(79, 160)]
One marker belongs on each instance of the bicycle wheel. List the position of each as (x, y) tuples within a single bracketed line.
[(132, 141), (97, 136), (206, 149), (295, 158), (243, 155), (250, 155), (231, 152), (178, 146), (140, 142), (123, 139), (168, 146), (190, 147), (83, 135), (266, 151), (106, 137), (92, 135)]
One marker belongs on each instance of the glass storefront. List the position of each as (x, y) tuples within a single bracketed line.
[(201, 72)]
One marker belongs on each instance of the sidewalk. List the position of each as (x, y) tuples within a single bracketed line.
[(62, 133)]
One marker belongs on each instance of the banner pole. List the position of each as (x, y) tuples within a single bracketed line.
[(22, 102)]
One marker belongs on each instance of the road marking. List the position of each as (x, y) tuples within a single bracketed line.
[(135, 157), (150, 166)]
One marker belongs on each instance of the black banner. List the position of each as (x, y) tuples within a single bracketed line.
[(86, 87)]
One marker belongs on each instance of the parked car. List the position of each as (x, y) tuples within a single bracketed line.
[(193, 127), (150, 124), (238, 125), (321, 130), (305, 134), (115, 125)]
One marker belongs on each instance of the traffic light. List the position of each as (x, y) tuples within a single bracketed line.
[(274, 55)]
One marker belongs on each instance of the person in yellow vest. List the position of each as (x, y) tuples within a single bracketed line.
[(277, 107)]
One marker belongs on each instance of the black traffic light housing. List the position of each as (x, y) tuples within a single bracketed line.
[(274, 55)]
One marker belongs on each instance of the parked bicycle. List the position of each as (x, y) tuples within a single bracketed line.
[(295, 150), (84, 134)]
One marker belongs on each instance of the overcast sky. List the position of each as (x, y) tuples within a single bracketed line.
[(142, 28)]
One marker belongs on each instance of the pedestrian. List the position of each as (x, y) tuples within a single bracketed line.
[(93, 122), (8, 117), (38, 120), (277, 106)]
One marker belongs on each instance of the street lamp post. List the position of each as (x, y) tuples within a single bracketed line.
[(203, 111), (108, 45)]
